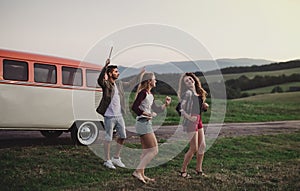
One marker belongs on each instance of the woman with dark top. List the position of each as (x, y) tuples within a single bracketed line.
[(143, 106), (192, 98)]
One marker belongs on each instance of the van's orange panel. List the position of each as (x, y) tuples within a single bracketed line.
[(47, 59)]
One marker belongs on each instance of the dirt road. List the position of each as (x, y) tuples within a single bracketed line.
[(29, 138), (243, 129)]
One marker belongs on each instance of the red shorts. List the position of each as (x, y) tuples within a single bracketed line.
[(190, 126)]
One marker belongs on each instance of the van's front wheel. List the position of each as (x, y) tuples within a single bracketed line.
[(84, 133)]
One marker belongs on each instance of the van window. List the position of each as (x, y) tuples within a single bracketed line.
[(15, 70), (45, 73), (92, 78), (71, 76)]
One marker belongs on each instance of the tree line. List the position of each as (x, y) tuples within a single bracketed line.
[(167, 84), (254, 68)]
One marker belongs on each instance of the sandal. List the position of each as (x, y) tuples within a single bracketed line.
[(185, 175), (200, 173)]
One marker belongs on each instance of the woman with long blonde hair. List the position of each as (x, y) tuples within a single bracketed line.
[(192, 98), (143, 106)]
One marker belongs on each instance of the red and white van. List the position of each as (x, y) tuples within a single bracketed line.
[(49, 94)]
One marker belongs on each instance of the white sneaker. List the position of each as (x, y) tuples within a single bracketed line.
[(109, 164), (118, 162)]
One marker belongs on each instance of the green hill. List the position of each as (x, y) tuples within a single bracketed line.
[(239, 83), (287, 97), (251, 75), (265, 107), (265, 90)]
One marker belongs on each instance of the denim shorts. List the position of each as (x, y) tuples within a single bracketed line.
[(111, 122), (143, 126)]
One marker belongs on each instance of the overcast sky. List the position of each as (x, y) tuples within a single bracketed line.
[(264, 29)]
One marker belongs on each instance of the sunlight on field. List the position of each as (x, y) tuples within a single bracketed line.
[(265, 90), (251, 75), (289, 97)]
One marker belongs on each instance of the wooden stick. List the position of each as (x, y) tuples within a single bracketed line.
[(110, 52)]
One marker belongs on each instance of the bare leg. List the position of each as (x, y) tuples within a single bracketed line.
[(119, 147), (193, 136), (200, 153), (150, 150), (141, 157), (107, 150), (144, 149)]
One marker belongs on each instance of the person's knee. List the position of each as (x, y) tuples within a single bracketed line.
[(193, 149), (154, 151), (108, 136), (202, 148)]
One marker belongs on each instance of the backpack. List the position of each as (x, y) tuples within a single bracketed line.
[(178, 108)]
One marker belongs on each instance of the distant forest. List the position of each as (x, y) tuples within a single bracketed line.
[(254, 68), (167, 84), (235, 86)]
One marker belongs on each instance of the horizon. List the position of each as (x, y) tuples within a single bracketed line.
[(225, 29), (175, 61)]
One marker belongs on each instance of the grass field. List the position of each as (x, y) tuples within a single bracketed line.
[(286, 98), (285, 87), (250, 75), (265, 107), (241, 163)]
